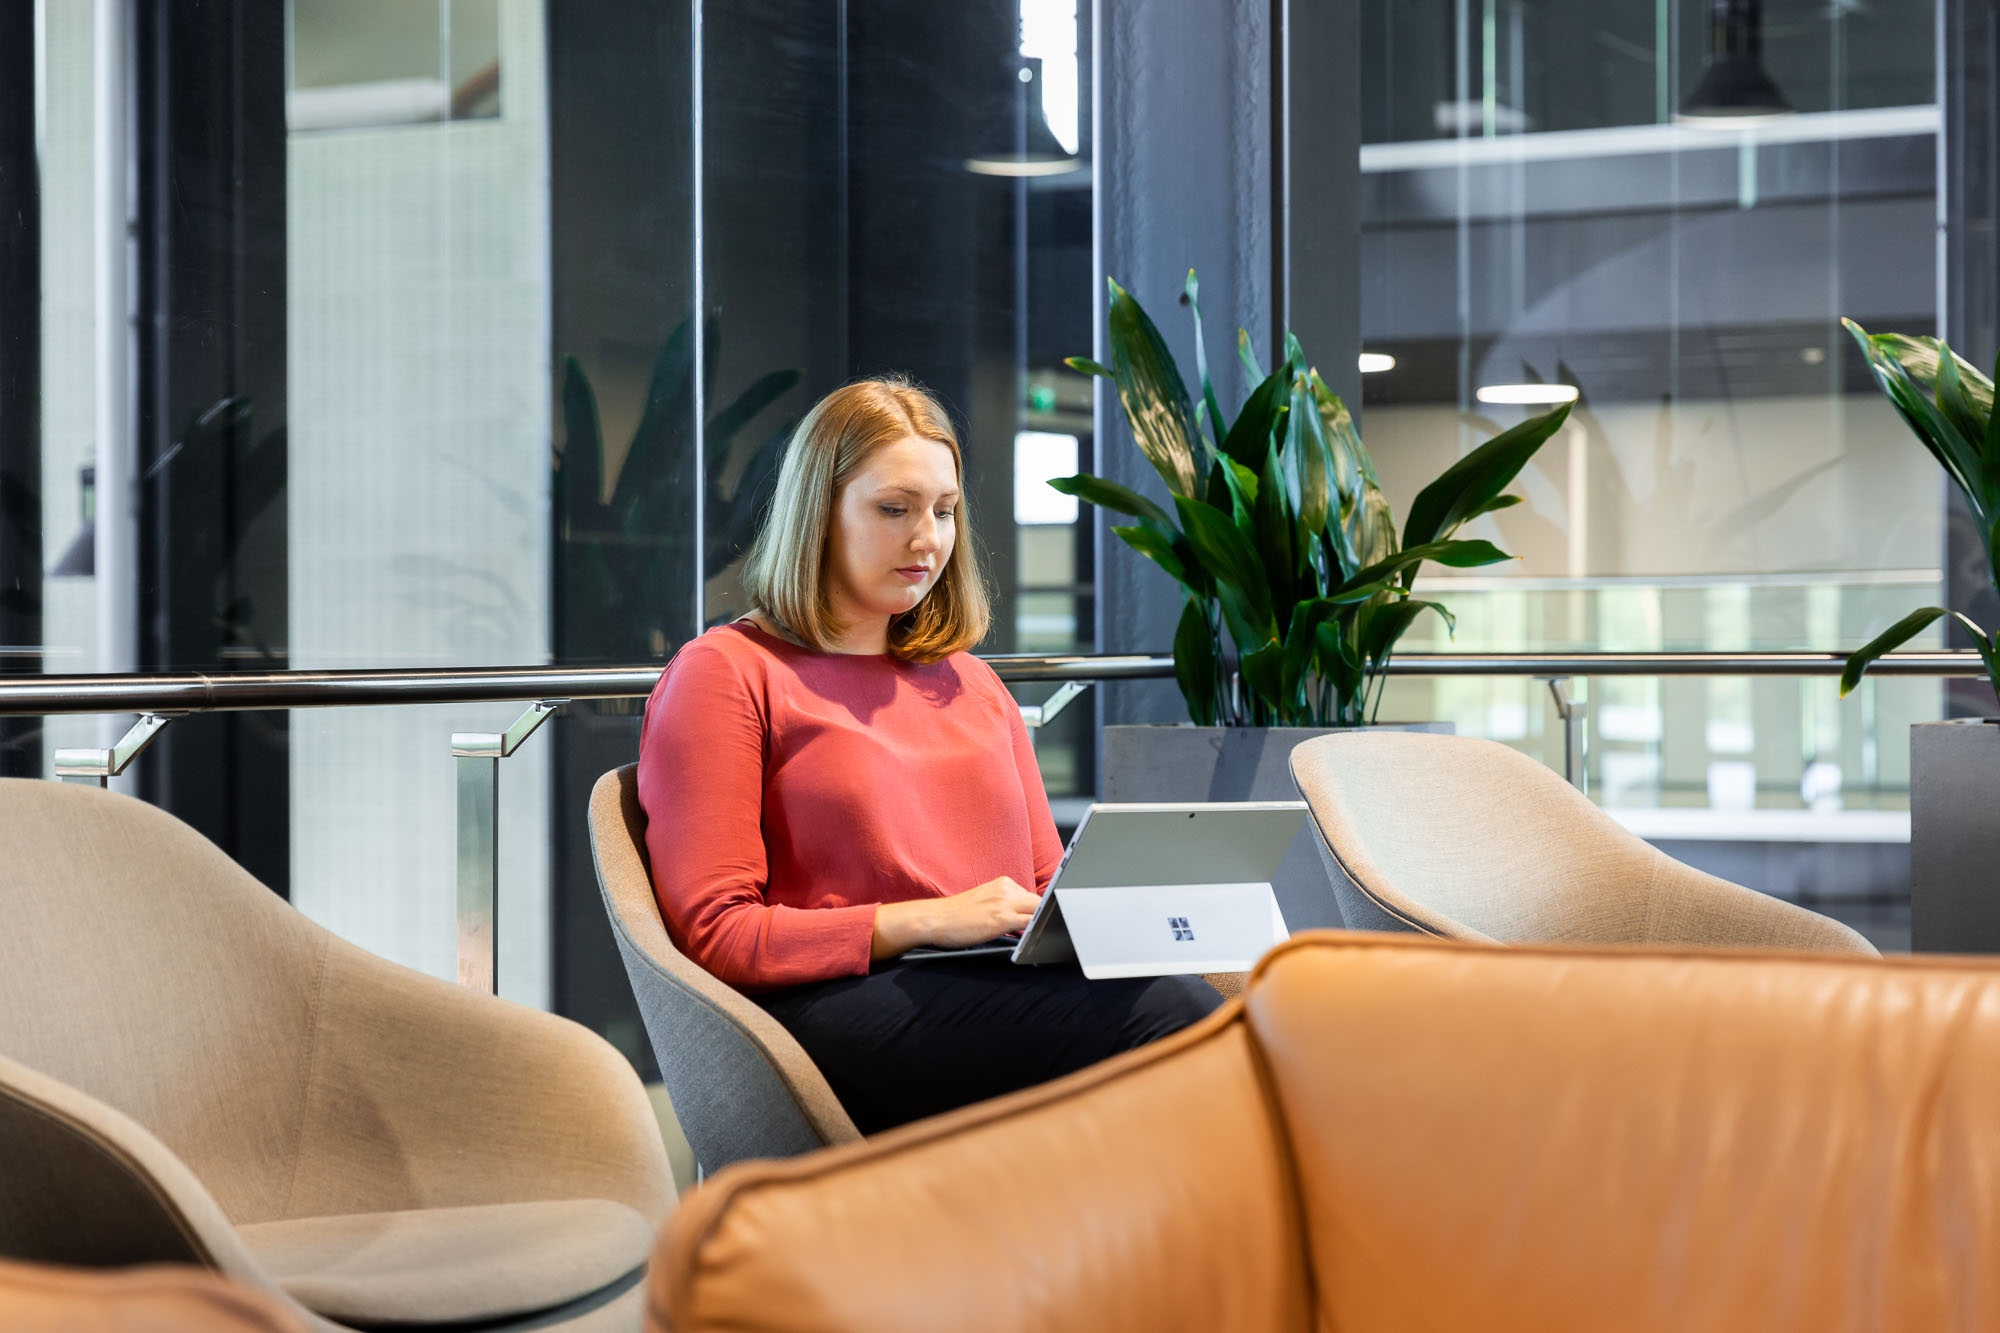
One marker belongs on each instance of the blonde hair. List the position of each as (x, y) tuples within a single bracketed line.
[(785, 572)]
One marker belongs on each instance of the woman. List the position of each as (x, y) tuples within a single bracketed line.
[(834, 780)]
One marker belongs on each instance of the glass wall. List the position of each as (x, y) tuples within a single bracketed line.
[(467, 332), (470, 332), (1540, 211)]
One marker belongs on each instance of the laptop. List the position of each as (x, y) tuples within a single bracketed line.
[(1148, 890)]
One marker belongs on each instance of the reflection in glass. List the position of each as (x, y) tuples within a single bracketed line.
[(1536, 223)]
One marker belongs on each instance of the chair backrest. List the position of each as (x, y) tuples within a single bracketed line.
[(740, 1085), (1470, 839), (143, 967), (1452, 1136)]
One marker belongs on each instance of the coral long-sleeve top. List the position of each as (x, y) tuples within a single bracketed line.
[(789, 792)]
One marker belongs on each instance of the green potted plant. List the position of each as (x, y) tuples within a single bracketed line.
[(1954, 766), (1297, 583)]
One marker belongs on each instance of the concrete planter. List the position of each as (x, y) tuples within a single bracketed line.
[(1955, 836), (1234, 764)]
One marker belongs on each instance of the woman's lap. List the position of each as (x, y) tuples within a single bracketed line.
[(914, 1039)]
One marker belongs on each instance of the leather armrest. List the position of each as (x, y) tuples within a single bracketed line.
[(154, 1299)]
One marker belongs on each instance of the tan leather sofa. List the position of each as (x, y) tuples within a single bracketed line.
[(154, 1298), (1390, 1133)]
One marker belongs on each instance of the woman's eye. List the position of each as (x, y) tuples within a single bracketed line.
[(893, 511), (946, 513)]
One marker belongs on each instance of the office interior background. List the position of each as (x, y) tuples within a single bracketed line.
[(465, 333)]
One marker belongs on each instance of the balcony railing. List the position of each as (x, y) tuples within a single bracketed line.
[(158, 699)]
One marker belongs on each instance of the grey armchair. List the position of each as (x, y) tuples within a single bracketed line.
[(191, 1071), (740, 1085), (1468, 839)]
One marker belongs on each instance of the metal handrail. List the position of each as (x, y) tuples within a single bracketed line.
[(196, 692)]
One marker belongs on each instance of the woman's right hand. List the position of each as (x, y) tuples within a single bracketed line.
[(973, 917)]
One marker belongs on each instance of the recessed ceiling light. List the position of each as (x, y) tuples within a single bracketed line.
[(1375, 362), (1539, 395)]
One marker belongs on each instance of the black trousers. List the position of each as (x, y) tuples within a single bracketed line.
[(912, 1039)]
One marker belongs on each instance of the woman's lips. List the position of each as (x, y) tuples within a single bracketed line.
[(915, 573)]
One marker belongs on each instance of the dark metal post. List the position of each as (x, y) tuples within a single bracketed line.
[(20, 382)]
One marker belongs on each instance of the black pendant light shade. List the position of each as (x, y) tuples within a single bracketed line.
[(1017, 141), (1734, 87)]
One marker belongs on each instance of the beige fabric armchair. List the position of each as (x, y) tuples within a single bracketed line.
[(1470, 840), (192, 1071)]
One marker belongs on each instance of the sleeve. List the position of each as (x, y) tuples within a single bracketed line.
[(1048, 846), (701, 782)]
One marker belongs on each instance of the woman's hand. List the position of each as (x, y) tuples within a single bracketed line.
[(972, 917)]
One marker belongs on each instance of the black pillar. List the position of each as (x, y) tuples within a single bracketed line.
[(933, 246), (20, 382), (210, 292), (621, 232)]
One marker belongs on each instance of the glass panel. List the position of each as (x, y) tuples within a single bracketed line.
[(417, 258), (1536, 215), (879, 196)]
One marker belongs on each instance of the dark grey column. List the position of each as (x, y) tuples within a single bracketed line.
[(1969, 291), (20, 381), (1319, 202), (621, 267), (1227, 141), (210, 152)]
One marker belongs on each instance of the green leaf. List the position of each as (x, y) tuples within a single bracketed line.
[(1215, 417), (1476, 479), (1306, 465), (1901, 633), (1246, 354), (1920, 358), (1494, 505), (1901, 366), (1110, 495), (1263, 671), (1954, 404), (1336, 661), (1249, 440), (1367, 526), (1952, 451), (1086, 366), (1158, 548), (1242, 484), (1384, 625), (1457, 554), (1991, 440), (1274, 530), (1303, 636), (1195, 667), (1152, 393), (1240, 581)]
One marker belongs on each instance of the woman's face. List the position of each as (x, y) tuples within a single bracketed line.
[(894, 523)]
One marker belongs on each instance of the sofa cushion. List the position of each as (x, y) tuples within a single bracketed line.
[(1568, 1139), (437, 1265)]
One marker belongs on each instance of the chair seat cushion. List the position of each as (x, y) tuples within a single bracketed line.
[(437, 1265)]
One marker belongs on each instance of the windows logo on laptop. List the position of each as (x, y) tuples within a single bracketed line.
[(1179, 925)]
